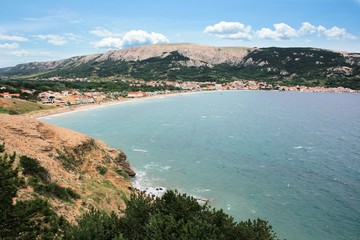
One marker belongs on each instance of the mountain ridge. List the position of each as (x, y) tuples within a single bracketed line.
[(193, 62)]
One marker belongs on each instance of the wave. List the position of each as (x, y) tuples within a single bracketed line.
[(155, 166), (201, 190), (139, 150), (298, 147)]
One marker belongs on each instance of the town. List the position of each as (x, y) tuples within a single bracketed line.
[(73, 97)]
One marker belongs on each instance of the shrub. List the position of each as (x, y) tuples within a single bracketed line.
[(102, 170), (30, 219), (173, 216), (122, 173), (14, 112), (2, 147), (55, 190), (31, 166)]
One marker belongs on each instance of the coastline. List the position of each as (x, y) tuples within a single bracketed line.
[(69, 109)]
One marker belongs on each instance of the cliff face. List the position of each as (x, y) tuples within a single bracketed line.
[(99, 174)]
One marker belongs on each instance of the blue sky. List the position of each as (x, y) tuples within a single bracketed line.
[(40, 30)]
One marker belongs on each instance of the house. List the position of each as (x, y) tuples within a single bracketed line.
[(9, 95), (135, 94)]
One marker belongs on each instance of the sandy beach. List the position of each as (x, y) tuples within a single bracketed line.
[(61, 110)]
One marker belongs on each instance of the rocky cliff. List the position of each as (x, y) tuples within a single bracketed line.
[(97, 173)]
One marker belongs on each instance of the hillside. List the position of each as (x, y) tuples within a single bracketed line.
[(191, 62), (92, 174), (20, 106)]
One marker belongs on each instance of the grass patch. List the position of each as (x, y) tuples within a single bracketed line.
[(4, 110), (68, 159), (122, 173), (19, 106)]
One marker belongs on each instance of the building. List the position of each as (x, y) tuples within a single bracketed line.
[(9, 95), (135, 94)]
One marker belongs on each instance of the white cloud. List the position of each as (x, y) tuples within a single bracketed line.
[(53, 39), (19, 53), (307, 28), (73, 37), (102, 32), (13, 38), (230, 30), (9, 45), (108, 42), (281, 31), (335, 33), (332, 33), (140, 37), (131, 38)]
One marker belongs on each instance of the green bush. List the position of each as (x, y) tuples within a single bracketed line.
[(31, 166), (102, 170), (30, 219), (173, 216), (2, 147), (122, 173), (55, 190)]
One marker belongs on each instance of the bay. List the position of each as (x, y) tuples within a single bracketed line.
[(291, 158)]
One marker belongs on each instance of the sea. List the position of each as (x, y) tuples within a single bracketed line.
[(291, 158)]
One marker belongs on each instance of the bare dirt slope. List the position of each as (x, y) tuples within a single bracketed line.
[(99, 174)]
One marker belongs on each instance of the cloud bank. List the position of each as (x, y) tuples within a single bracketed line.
[(230, 30), (281, 31), (10, 45), (13, 38), (52, 39), (132, 38)]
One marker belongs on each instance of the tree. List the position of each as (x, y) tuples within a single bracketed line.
[(30, 219), (8, 187), (95, 225)]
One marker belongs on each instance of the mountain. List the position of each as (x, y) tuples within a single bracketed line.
[(191, 62), (72, 171)]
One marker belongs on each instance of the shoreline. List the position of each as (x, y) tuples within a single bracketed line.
[(70, 109)]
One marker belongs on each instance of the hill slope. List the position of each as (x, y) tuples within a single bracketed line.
[(20, 106), (96, 174), (203, 63)]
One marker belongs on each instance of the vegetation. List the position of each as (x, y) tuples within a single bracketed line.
[(102, 170), (32, 167), (68, 159), (2, 147), (18, 106), (122, 173), (41, 180), (30, 219), (173, 216), (54, 190), (102, 84)]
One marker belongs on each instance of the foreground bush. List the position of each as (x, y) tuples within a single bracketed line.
[(173, 216)]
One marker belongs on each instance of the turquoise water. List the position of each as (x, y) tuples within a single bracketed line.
[(291, 158)]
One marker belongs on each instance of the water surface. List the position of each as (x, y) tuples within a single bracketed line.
[(290, 158)]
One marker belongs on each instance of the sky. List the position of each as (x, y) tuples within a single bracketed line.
[(39, 30)]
